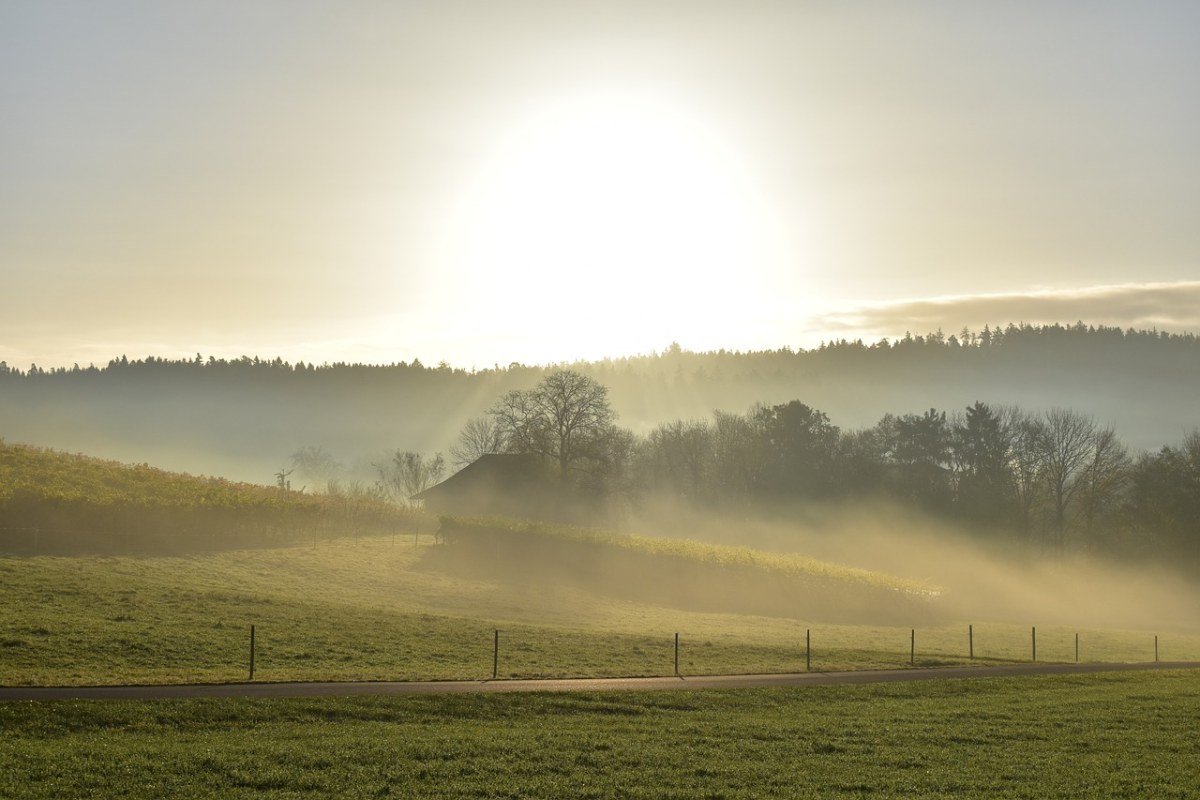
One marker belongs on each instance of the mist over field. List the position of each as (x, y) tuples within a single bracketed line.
[(976, 579)]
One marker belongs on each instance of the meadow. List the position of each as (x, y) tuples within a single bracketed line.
[(383, 608), (1106, 735), (328, 604), (348, 588)]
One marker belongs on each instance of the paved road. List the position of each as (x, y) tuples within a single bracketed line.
[(343, 689)]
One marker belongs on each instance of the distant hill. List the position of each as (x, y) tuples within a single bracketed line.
[(243, 418)]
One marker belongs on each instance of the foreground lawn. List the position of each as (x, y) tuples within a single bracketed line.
[(1107, 735)]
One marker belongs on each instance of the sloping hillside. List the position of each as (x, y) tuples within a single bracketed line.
[(677, 573), (52, 501)]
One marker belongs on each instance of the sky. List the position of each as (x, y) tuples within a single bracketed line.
[(491, 182)]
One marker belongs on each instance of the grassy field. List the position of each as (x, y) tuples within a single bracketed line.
[(384, 607), (1107, 735), (374, 609), (507, 534), (659, 570), (170, 605)]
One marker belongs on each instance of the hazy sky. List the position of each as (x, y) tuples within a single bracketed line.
[(486, 182)]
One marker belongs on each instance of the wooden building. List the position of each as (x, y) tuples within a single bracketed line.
[(500, 484)]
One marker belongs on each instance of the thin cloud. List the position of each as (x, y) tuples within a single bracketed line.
[(1171, 307)]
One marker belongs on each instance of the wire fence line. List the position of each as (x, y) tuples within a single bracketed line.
[(265, 652), (524, 650)]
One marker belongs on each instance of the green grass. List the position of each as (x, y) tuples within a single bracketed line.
[(568, 602), (1107, 735), (374, 610)]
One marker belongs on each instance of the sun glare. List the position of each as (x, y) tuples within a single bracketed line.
[(618, 218)]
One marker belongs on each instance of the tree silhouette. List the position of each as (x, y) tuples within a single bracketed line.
[(409, 473), (1065, 443), (982, 452), (566, 418), (802, 445), (479, 437)]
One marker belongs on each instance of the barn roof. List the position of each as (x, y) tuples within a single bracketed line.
[(493, 475)]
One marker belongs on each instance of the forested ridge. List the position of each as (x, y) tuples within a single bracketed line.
[(244, 417)]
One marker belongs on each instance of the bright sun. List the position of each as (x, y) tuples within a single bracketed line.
[(612, 222)]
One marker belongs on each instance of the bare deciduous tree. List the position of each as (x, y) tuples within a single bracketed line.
[(316, 465), (1103, 481), (409, 473), (740, 457), (479, 437), (681, 456), (1065, 443), (565, 418), (1025, 458)]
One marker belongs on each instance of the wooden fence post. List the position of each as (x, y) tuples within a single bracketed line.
[(677, 653), (496, 655), (1034, 638), (971, 642), (251, 652), (912, 653), (808, 650)]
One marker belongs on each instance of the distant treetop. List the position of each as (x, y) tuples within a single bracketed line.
[(1013, 337)]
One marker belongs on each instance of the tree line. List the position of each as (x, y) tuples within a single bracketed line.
[(238, 417), (1054, 481), (1014, 340)]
